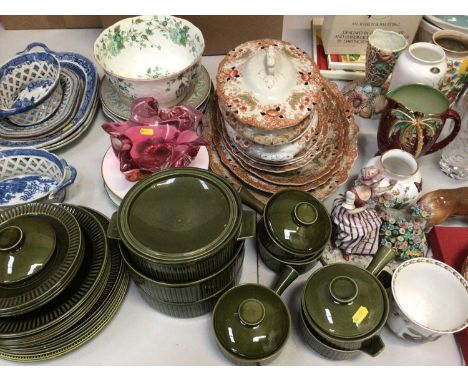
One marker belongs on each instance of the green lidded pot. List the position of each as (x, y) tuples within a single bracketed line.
[(41, 250), (188, 292), (181, 224), (295, 225), (347, 306), (251, 324)]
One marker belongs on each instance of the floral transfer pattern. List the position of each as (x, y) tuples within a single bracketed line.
[(456, 77), (247, 107), (144, 32)]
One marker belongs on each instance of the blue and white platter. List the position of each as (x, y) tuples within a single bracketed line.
[(87, 72)]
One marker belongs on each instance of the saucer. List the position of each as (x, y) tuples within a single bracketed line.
[(120, 108), (118, 185)]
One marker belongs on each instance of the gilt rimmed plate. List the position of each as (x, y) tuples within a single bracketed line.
[(120, 108)]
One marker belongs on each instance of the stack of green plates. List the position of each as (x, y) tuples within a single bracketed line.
[(84, 306)]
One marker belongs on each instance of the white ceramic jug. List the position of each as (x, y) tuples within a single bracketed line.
[(422, 63)]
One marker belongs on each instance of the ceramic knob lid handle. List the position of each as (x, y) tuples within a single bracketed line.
[(11, 238), (305, 214), (251, 312), (343, 289), (270, 60)]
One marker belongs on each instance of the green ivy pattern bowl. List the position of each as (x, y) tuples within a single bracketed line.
[(157, 56)]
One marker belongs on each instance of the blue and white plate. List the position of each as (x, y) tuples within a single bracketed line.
[(71, 84), (32, 175), (89, 75)]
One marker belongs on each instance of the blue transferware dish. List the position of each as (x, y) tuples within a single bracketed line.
[(86, 110), (26, 80), (72, 87), (31, 175)]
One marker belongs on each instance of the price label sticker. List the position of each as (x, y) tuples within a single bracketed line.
[(360, 314), (146, 131)]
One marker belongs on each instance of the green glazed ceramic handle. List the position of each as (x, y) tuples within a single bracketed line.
[(373, 346), (383, 256), (113, 230), (248, 226), (286, 277), (250, 200)]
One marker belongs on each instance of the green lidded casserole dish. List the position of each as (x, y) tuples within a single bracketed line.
[(181, 224), (346, 306), (41, 250), (191, 291), (295, 226)]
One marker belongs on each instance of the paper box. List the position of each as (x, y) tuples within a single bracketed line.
[(221, 33), (348, 34)]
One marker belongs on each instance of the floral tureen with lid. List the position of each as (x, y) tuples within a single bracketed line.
[(268, 84)]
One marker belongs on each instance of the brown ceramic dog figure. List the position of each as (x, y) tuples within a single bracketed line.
[(444, 203)]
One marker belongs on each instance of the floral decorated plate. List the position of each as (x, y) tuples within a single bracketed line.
[(268, 84), (119, 106), (118, 185), (72, 92), (88, 74)]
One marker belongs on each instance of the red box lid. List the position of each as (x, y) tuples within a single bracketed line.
[(450, 245)]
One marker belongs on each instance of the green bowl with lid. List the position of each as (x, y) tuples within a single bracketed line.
[(41, 251), (295, 226), (346, 306), (181, 224)]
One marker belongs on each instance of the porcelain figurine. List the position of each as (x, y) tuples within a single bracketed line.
[(399, 182), (356, 225), (422, 63), (437, 206), (414, 118), (455, 46), (368, 96)]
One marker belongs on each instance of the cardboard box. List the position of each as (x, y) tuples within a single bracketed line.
[(349, 34), (50, 22), (221, 33)]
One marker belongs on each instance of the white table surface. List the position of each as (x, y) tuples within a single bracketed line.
[(139, 335)]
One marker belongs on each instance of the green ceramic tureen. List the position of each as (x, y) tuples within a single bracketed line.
[(181, 224)]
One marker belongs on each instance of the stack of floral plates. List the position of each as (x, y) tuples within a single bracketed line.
[(117, 108), (65, 284), (77, 107), (276, 123)]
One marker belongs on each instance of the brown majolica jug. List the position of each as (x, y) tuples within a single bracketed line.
[(413, 120)]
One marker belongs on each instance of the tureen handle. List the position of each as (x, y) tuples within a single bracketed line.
[(35, 45), (270, 61), (69, 176)]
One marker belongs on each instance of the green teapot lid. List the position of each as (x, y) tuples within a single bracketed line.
[(297, 221), (251, 322), (344, 301), (26, 245), (179, 214)]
